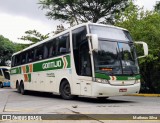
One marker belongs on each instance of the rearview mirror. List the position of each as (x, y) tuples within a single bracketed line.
[(145, 48), (94, 41)]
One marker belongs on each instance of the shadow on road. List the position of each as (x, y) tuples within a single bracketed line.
[(81, 99)]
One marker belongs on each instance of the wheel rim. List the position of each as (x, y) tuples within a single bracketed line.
[(67, 90)]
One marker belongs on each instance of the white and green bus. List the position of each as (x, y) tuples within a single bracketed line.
[(93, 60), (4, 76)]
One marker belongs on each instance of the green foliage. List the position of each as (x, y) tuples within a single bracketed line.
[(7, 48), (144, 26), (157, 6), (83, 10), (34, 36)]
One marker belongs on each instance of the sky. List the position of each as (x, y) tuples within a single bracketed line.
[(18, 16)]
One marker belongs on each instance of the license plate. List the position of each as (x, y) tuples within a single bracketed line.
[(123, 90)]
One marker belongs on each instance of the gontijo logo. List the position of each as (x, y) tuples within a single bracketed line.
[(61, 63), (13, 71), (53, 64)]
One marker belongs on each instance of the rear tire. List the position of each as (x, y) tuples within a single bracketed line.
[(65, 90), (22, 90), (1, 85), (18, 87)]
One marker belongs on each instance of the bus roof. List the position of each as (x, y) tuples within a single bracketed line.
[(72, 28)]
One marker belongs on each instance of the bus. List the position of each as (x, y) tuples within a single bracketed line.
[(89, 59), (4, 76)]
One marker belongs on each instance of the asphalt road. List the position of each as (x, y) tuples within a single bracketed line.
[(12, 102)]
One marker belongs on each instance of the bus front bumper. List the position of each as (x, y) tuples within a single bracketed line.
[(6, 84), (106, 90)]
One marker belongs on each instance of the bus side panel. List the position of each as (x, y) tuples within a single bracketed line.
[(54, 78), (14, 79)]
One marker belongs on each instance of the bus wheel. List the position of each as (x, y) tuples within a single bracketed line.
[(23, 92), (65, 90), (18, 87), (1, 85)]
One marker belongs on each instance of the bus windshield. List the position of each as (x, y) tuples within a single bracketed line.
[(116, 54), (6, 74)]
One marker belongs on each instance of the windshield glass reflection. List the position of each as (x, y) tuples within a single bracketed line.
[(116, 58)]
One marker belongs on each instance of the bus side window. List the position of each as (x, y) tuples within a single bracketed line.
[(30, 55), (45, 53), (52, 47), (13, 61), (17, 60), (23, 58), (63, 44), (39, 53), (6, 73)]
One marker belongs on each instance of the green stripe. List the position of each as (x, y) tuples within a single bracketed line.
[(104, 76), (27, 68), (53, 64), (68, 61), (128, 77), (29, 77), (48, 65), (15, 70)]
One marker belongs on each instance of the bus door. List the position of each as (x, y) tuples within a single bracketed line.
[(85, 70), (82, 76)]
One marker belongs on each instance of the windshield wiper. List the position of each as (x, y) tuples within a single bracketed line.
[(131, 70)]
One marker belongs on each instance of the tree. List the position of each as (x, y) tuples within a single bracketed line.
[(144, 26), (78, 11), (34, 36), (157, 6), (7, 48)]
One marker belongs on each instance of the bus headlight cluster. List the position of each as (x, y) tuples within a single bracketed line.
[(104, 81), (137, 81)]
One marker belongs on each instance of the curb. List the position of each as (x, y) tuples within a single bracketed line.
[(145, 95)]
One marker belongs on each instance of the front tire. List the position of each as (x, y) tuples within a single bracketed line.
[(1, 85), (65, 90)]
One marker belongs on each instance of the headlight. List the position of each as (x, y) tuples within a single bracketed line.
[(104, 81), (137, 81)]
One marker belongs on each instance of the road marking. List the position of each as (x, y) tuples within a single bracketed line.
[(18, 110), (4, 90)]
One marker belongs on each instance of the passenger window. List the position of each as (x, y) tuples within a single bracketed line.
[(17, 60), (13, 61), (23, 58), (39, 53), (45, 53), (63, 44), (30, 56), (52, 47)]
